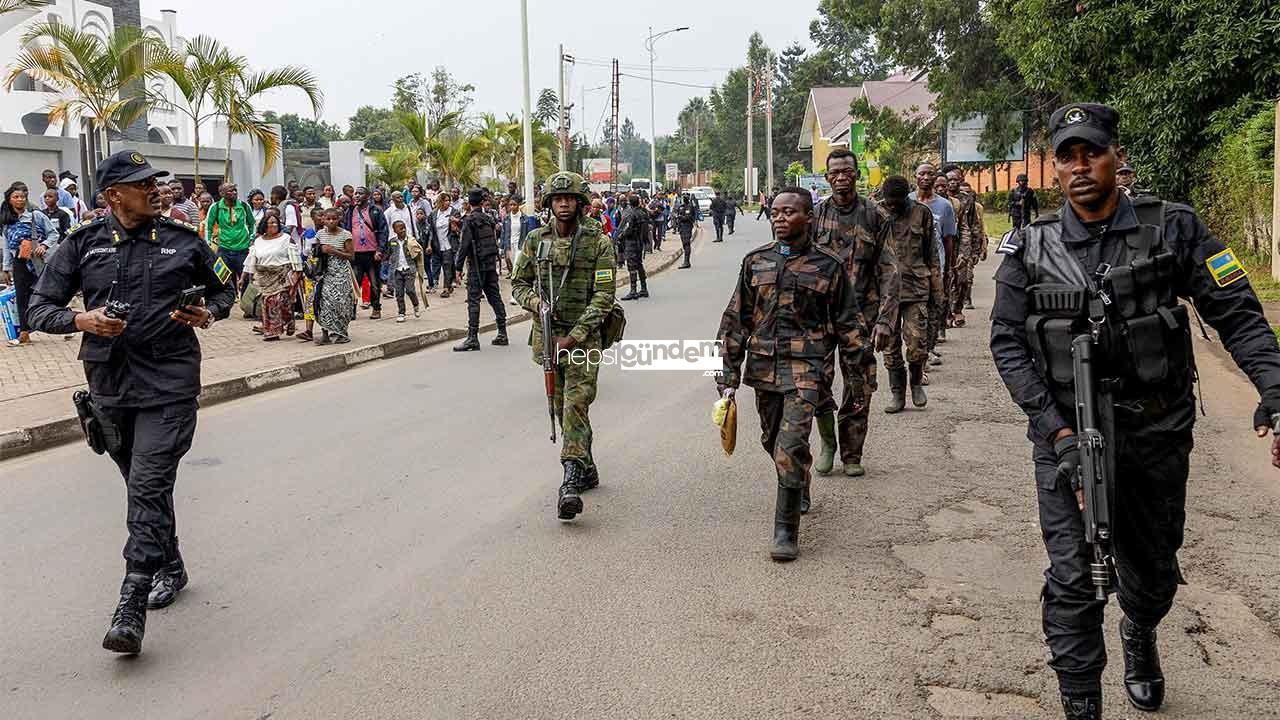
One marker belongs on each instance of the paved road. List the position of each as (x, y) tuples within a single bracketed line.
[(403, 561)]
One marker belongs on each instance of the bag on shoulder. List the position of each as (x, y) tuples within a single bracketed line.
[(614, 325)]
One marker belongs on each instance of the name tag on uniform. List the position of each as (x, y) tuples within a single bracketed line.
[(604, 276), (1225, 268)]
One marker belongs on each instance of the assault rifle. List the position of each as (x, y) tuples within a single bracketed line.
[(1095, 461), (546, 309)]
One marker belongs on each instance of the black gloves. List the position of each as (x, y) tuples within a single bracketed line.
[(1268, 408), (1068, 451)]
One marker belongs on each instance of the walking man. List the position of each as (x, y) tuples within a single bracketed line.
[(792, 307), (478, 251), (1023, 206), (142, 363), (686, 218), (632, 232), (1108, 271), (578, 259), (369, 232), (718, 210), (911, 235), (853, 228)]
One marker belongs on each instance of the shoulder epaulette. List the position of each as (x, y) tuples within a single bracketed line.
[(86, 224), (828, 251), (178, 223), (1046, 219), (762, 248)]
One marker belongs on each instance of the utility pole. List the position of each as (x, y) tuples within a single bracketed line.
[(1275, 207), (768, 124), (561, 131), (527, 120), (747, 175), (697, 167), (613, 136)]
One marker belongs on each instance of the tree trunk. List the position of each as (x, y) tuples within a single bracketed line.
[(195, 137), (226, 170)]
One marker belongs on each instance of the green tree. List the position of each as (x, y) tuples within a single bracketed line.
[(409, 93), (447, 95), (92, 76), (397, 167), (377, 127), (9, 6), (898, 143), (547, 111), (240, 101), (202, 71), (300, 132)]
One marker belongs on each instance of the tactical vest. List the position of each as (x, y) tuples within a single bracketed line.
[(1143, 333)]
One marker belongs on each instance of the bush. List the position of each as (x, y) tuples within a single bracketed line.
[(1234, 199), (998, 201)]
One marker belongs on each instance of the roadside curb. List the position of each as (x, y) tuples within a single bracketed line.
[(42, 436)]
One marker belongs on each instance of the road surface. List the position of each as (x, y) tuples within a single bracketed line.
[(383, 544)]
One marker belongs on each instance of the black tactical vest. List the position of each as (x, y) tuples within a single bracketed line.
[(1143, 333)]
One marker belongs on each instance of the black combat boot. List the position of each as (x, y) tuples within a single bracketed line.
[(501, 338), (631, 295), (166, 584), (569, 504), (918, 396), (644, 285), (786, 525), (826, 422), (1143, 678), (897, 390), (591, 478), (1082, 707), (129, 621), (472, 342)]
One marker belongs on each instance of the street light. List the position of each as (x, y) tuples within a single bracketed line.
[(653, 123), (527, 121)]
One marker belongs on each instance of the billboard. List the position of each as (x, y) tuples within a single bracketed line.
[(961, 143), (673, 172), (596, 169)]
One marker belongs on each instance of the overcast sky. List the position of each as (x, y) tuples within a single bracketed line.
[(358, 54)]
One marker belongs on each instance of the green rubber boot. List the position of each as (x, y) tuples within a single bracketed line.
[(826, 458)]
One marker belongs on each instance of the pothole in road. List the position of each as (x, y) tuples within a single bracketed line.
[(947, 625), (955, 703), (970, 563), (963, 518)]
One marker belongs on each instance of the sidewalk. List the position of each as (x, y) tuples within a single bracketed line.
[(36, 381)]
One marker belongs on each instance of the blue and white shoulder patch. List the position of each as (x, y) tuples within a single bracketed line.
[(1010, 243)]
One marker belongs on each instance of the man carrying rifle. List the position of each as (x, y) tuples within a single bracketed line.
[(569, 266), (1103, 277)]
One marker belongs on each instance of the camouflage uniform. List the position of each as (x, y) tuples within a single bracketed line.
[(858, 237), (581, 305), (787, 316), (912, 240), (969, 227)]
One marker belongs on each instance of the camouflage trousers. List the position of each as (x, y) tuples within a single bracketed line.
[(911, 334), (785, 422), (575, 391), (963, 281), (855, 408)]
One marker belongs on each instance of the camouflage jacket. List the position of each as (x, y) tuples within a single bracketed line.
[(858, 237), (787, 316), (912, 239), (586, 295)]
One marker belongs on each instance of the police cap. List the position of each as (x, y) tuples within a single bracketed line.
[(1093, 123), (127, 166), (1124, 169)]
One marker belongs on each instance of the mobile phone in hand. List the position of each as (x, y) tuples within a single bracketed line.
[(191, 297)]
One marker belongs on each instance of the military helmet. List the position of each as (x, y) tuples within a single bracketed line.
[(566, 183)]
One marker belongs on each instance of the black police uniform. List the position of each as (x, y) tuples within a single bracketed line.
[(1142, 260), (686, 217), (718, 210), (147, 379), (478, 248)]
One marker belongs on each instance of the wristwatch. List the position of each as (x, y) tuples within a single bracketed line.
[(208, 323)]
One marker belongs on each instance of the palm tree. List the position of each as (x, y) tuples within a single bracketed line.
[(496, 136), (397, 167), (456, 156), (421, 131), (95, 78), (545, 149), (8, 6), (237, 105), (202, 72)]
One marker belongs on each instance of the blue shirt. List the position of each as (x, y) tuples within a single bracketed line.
[(65, 200), (944, 223)]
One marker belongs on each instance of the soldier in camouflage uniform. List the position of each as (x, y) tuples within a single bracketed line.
[(911, 236), (582, 267), (853, 228), (969, 225), (792, 307)]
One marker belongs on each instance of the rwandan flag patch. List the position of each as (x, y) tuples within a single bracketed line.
[(603, 276), (222, 271), (1225, 268)]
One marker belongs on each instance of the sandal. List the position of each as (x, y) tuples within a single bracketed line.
[(305, 336), (257, 329)]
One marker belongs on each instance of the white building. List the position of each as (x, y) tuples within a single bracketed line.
[(24, 110)]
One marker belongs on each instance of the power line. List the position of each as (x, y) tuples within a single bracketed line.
[(644, 66), (671, 82)]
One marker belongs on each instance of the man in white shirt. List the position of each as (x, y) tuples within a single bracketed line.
[(398, 210), (288, 212)]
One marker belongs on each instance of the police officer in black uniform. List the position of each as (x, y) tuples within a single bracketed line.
[(1128, 261), (142, 362), (719, 208), (478, 249)]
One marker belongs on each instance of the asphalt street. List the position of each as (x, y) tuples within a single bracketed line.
[(383, 544)]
